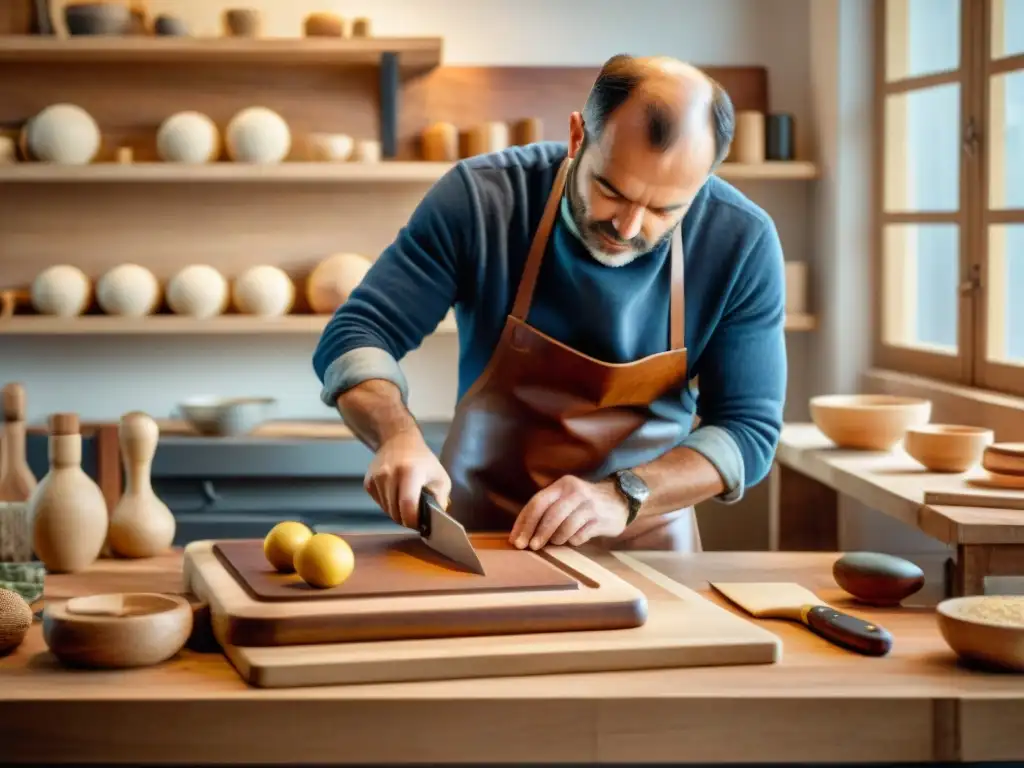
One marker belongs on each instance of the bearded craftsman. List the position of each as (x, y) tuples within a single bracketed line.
[(592, 283)]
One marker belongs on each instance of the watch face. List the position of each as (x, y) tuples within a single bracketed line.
[(634, 486)]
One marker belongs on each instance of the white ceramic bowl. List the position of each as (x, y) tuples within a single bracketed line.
[(226, 416)]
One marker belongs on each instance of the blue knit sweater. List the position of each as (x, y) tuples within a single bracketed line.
[(465, 247)]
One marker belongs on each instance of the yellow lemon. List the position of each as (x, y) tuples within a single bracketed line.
[(325, 561), (283, 541)]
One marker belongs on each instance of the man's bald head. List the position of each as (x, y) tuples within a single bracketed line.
[(650, 134), (671, 97)]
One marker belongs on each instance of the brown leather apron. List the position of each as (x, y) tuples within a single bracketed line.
[(541, 410)]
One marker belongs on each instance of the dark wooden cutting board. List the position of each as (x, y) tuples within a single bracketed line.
[(401, 596), (397, 565)]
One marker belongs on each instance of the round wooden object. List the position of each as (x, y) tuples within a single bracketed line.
[(947, 447), (868, 422), (64, 424), (996, 481), (1004, 458), (117, 631), (440, 143), (265, 291), (61, 290), (128, 290), (64, 134), (987, 630), (333, 280), (188, 137), (877, 578), (198, 291), (324, 24), (258, 135), (15, 619), (748, 144), (485, 138)]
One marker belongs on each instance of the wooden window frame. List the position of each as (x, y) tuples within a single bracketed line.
[(981, 259)]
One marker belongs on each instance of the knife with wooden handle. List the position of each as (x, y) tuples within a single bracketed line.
[(783, 600), (445, 535)]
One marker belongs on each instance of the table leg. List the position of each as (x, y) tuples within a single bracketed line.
[(804, 514), (976, 561)]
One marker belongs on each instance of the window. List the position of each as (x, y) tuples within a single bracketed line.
[(950, 191)]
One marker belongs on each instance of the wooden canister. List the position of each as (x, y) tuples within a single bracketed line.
[(748, 141), (440, 143), (528, 131), (324, 24), (361, 27), (484, 138)]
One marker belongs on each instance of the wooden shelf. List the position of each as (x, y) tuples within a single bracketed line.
[(415, 54), (300, 172), (225, 325)]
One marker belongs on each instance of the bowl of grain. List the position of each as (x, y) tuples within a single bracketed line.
[(987, 630)]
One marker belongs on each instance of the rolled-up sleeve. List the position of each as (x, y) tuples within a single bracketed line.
[(403, 297), (743, 372)]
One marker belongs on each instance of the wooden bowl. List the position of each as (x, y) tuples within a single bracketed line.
[(117, 631), (98, 19), (1004, 458), (868, 422), (947, 447), (985, 629)]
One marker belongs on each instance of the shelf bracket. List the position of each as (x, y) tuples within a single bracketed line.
[(389, 85)]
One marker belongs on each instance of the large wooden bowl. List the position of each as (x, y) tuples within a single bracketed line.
[(117, 631), (868, 422), (981, 639)]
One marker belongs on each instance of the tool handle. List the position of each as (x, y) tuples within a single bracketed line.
[(427, 502), (848, 631)]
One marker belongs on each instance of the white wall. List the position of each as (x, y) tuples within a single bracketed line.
[(103, 377)]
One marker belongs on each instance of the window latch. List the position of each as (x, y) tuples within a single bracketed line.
[(973, 281), (971, 138)]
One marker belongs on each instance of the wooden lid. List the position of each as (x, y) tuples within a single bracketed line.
[(13, 402), (64, 424)]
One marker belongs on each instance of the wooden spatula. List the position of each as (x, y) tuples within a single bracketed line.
[(783, 600)]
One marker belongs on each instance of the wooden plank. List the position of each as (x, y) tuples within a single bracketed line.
[(391, 172)]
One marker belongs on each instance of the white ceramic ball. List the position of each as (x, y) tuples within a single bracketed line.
[(128, 290), (61, 290), (65, 134), (258, 135), (332, 281), (188, 137), (265, 291), (198, 291)]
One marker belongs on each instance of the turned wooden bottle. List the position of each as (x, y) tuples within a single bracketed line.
[(67, 508), (16, 479), (141, 525)]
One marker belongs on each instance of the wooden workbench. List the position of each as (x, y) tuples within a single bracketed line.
[(810, 474), (819, 704)]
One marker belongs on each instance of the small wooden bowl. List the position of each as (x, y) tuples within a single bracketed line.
[(985, 639), (97, 19), (868, 422), (1004, 458), (117, 631), (947, 447)]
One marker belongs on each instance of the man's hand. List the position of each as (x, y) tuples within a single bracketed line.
[(402, 467), (570, 511)]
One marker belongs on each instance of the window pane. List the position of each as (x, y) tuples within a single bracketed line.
[(1006, 141), (923, 37), (1007, 28), (922, 150), (1006, 287), (920, 275)]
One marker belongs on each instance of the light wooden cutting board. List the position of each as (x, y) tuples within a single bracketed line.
[(682, 630)]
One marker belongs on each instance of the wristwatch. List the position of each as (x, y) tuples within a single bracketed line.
[(633, 489)]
